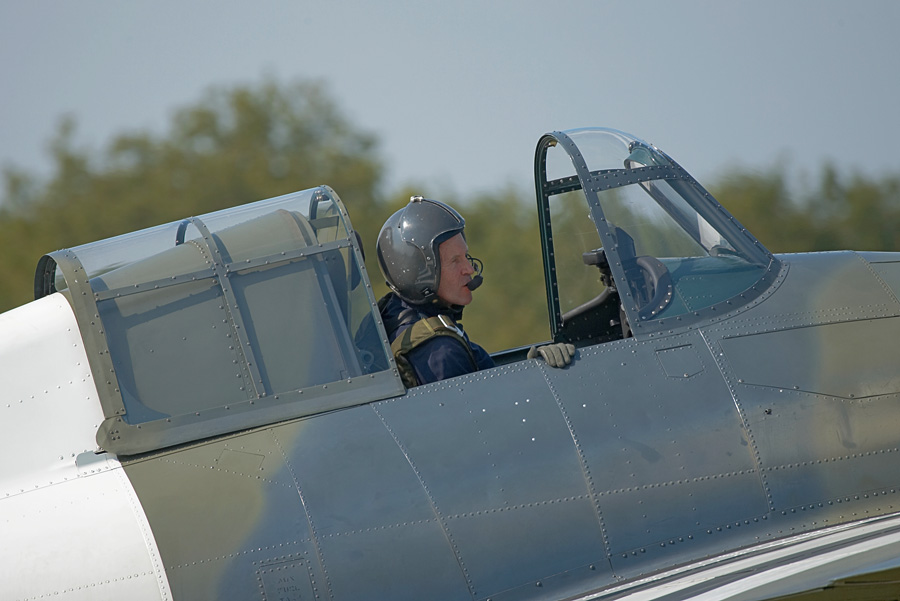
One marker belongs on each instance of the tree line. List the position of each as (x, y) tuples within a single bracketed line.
[(246, 143)]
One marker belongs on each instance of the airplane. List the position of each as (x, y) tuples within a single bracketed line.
[(209, 409)]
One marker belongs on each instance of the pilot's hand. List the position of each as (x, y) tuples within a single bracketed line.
[(556, 355)]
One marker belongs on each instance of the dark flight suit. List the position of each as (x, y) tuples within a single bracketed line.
[(441, 355)]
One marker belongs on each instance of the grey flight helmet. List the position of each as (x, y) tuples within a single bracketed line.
[(408, 248)]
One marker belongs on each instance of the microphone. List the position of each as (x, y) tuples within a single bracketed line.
[(476, 280)]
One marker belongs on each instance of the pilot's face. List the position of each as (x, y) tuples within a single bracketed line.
[(456, 272)]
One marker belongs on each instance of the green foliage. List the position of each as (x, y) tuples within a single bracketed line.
[(510, 308), (839, 213), (243, 144), (236, 146)]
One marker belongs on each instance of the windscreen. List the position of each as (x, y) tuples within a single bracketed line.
[(622, 212), (227, 320), (674, 260)]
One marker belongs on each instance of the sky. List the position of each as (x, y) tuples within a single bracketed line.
[(458, 93)]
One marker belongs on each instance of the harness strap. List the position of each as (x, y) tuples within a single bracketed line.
[(417, 334)]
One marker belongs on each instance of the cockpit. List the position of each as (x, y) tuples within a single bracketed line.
[(265, 312), (632, 243)]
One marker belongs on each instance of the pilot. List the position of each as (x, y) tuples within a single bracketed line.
[(424, 258)]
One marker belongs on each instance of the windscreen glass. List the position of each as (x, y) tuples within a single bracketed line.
[(269, 303), (107, 255), (669, 247), (674, 261), (574, 233)]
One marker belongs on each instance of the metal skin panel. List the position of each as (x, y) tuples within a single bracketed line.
[(349, 509), (819, 288), (70, 523), (663, 486), (839, 360), (886, 266), (94, 542), (524, 482), (496, 456), (222, 509), (360, 511), (33, 337), (812, 370), (370, 516)]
